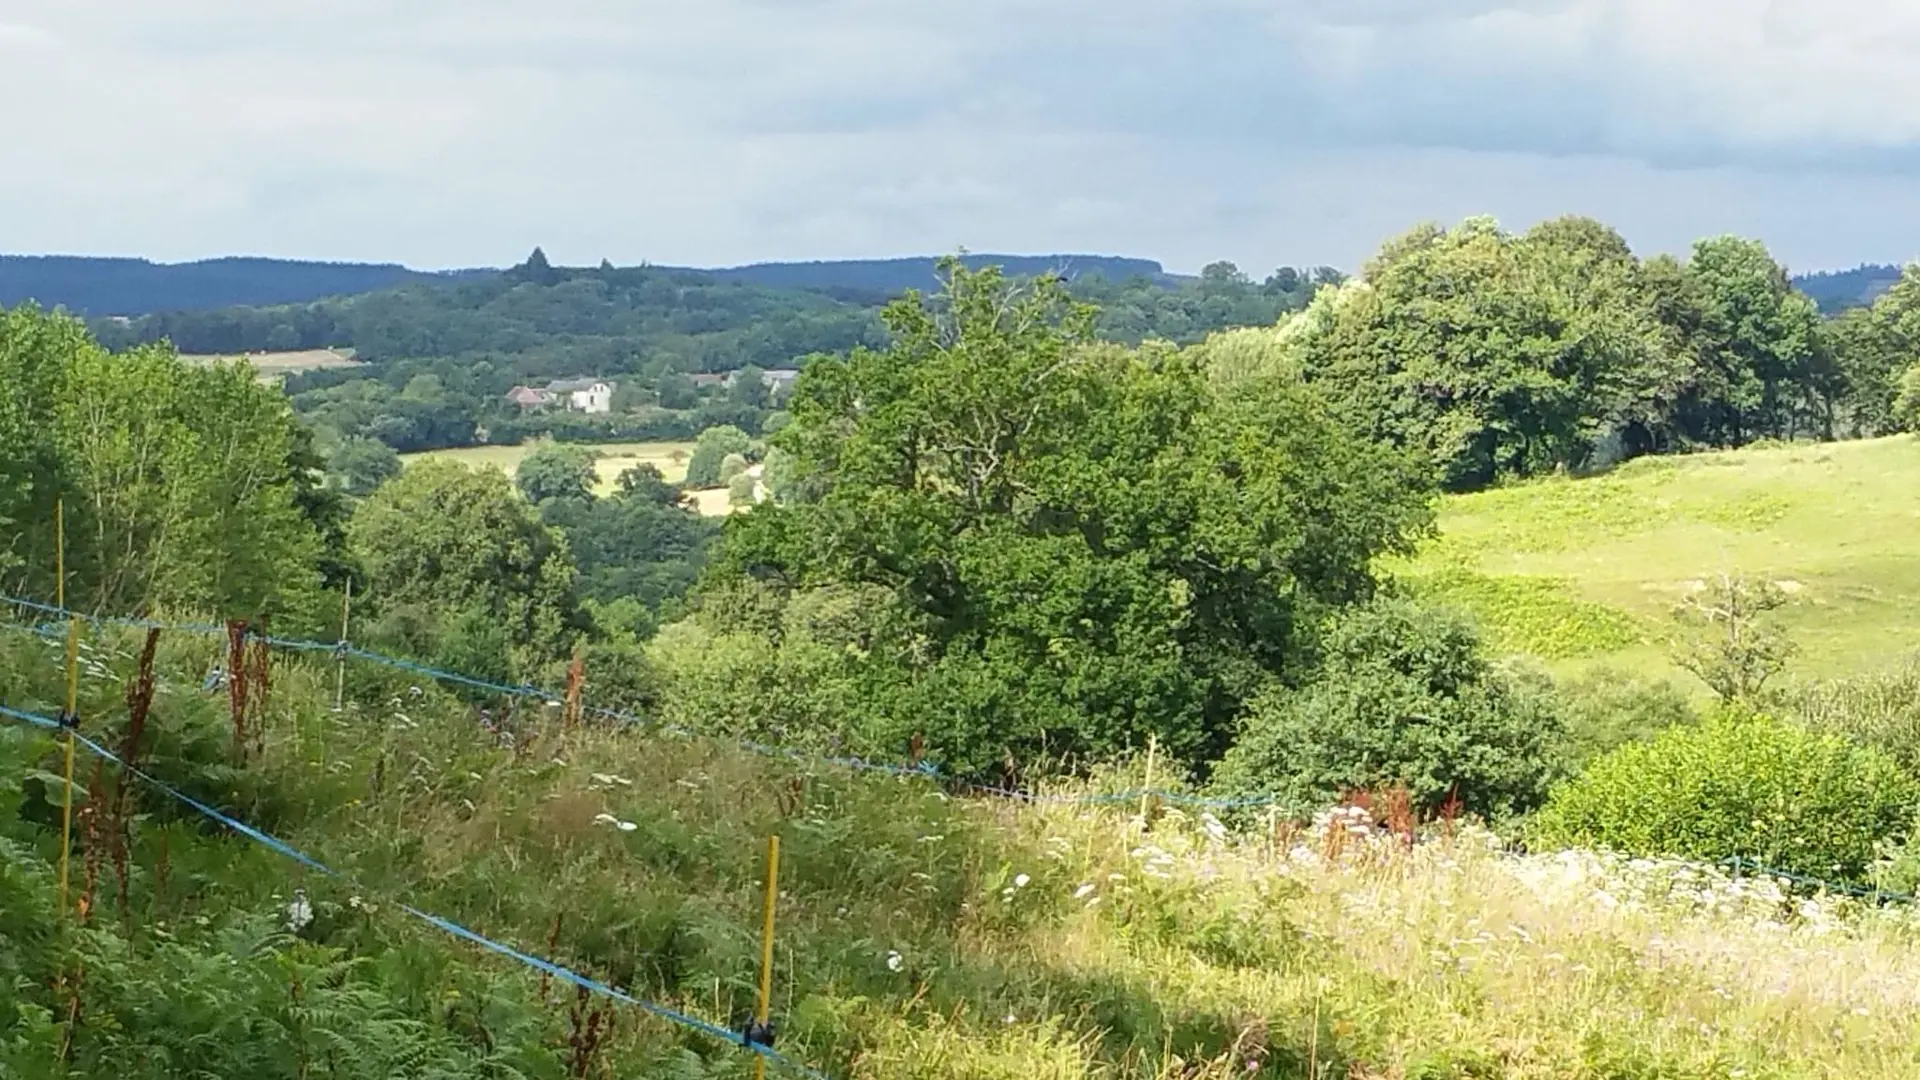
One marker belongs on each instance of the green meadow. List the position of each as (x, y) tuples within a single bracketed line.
[(1585, 572)]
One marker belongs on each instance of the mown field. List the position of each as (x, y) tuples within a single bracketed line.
[(1585, 572), (615, 458), (275, 366)]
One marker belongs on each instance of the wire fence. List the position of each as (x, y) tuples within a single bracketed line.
[(345, 650), (547, 967)]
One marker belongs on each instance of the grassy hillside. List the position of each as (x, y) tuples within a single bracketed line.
[(1584, 572), (921, 935)]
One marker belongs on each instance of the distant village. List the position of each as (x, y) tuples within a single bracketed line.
[(593, 395)]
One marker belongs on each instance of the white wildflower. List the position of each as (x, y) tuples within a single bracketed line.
[(895, 961)]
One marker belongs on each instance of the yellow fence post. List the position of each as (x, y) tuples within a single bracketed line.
[(1146, 795), (340, 672), (69, 719), (766, 950)]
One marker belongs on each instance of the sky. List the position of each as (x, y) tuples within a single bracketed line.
[(443, 133)]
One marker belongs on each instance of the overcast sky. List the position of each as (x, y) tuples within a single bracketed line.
[(706, 132)]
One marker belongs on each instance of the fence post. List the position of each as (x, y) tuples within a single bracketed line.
[(340, 665), (762, 1033), (1146, 795)]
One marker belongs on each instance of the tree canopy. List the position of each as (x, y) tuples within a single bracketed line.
[(1094, 545)]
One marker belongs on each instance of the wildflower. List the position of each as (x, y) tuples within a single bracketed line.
[(894, 961), (1083, 891), (1020, 881), (1214, 827), (299, 912)]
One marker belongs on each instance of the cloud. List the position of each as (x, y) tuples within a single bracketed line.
[(448, 132)]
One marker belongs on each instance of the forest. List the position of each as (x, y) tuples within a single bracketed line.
[(1019, 535)]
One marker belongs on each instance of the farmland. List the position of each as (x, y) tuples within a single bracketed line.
[(1583, 572), (615, 458), (274, 366)]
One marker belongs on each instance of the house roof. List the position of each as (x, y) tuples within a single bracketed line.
[(568, 386), (526, 395)]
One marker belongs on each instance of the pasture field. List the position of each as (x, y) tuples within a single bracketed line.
[(274, 366), (1585, 572), (615, 458)]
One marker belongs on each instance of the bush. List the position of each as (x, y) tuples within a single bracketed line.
[(1906, 403), (1607, 708), (710, 453), (740, 490), (1404, 695), (1741, 784), (1877, 709), (731, 466)]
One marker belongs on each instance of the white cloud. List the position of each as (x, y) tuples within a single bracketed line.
[(445, 132)]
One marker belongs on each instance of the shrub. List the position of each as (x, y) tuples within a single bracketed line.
[(1906, 403), (731, 466), (1742, 784), (1404, 695), (740, 490), (1607, 708), (1878, 709), (710, 453)]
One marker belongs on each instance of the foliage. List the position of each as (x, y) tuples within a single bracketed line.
[(1741, 785), (707, 467), (1499, 355), (1906, 404), (642, 543), (183, 485), (557, 471), (1728, 642), (1404, 695), (358, 465), (1493, 354), (1543, 616), (741, 490), (1607, 708), (1101, 546), (1880, 709), (446, 547)]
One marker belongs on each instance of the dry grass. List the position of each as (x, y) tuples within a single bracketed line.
[(274, 366), (614, 458)]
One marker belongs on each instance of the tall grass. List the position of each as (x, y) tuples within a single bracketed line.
[(924, 936)]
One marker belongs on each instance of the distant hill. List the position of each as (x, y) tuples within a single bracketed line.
[(105, 286), (866, 278), (1837, 290)]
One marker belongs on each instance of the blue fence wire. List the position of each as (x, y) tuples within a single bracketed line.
[(925, 769), (548, 967)]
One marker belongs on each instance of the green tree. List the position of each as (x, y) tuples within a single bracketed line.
[(441, 539), (740, 490), (1099, 546), (1404, 696), (1492, 354), (1761, 370), (359, 465), (710, 452), (1906, 403), (750, 388), (557, 471)]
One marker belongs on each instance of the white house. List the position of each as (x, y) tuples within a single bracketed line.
[(583, 395)]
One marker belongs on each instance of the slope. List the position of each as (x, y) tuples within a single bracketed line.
[(921, 935), (1585, 571)]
